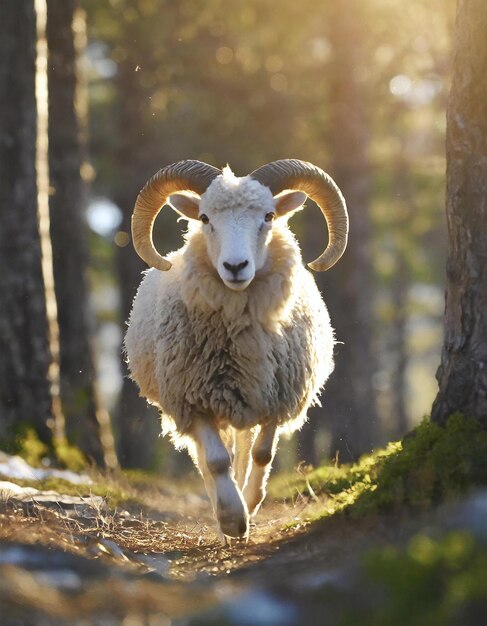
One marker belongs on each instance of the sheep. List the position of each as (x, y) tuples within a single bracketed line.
[(234, 343)]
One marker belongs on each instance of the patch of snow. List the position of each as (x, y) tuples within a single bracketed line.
[(15, 555), (53, 570), (62, 579), (80, 504), (9, 490), (16, 467), (336, 578), (258, 608)]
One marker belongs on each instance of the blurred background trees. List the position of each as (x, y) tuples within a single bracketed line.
[(350, 398), (358, 88), (87, 423)]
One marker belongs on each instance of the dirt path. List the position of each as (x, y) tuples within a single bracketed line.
[(186, 534), (70, 558), (154, 559)]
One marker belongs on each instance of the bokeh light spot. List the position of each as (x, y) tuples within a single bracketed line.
[(400, 85), (279, 82), (121, 239), (224, 55), (273, 63), (103, 216)]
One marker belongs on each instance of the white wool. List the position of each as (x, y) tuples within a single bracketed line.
[(238, 192), (195, 347)]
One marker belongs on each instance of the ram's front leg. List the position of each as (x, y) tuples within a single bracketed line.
[(215, 466), (263, 451)]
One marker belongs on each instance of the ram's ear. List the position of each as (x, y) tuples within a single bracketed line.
[(187, 205), (288, 202)]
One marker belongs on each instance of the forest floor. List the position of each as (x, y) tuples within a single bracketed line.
[(147, 553)]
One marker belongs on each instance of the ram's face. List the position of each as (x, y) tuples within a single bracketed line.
[(237, 216), (237, 241)]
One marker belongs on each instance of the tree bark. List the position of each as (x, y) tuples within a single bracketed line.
[(462, 375), (349, 398), (87, 424), (25, 396)]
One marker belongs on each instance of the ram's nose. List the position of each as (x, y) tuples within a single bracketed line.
[(237, 273), (235, 268)]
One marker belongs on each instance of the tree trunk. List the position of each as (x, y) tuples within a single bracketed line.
[(87, 424), (462, 375), (349, 397), (25, 396)]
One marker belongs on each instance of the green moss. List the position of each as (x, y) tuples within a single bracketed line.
[(431, 465), (140, 478), (69, 456), (28, 445), (338, 486), (434, 464), (432, 582), (31, 448)]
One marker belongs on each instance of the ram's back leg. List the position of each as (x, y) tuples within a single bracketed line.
[(263, 451), (241, 457), (214, 463)]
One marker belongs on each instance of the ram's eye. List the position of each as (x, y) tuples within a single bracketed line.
[(269, 217), (204, 218)]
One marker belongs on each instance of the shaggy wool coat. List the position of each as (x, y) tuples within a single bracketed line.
[(195, 347)]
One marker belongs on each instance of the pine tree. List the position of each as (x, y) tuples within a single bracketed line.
[(462, 375), (25, 388), (87, 424)]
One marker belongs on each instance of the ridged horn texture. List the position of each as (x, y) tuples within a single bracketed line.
[(187, 175), (320, 187)]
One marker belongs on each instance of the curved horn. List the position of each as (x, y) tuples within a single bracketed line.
[(181, 176), (320, 187)]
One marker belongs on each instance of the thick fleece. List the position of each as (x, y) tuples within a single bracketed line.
[(244, 358)]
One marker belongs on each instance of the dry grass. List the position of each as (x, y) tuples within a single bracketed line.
[(179, 526), (153, 554)]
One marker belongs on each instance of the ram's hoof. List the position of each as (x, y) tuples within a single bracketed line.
[(233, 527)]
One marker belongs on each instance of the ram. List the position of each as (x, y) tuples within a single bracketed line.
[(228, 336)]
